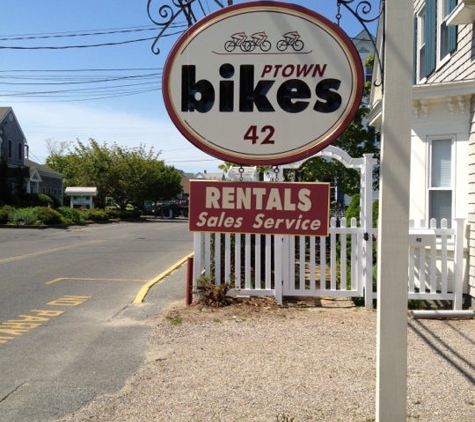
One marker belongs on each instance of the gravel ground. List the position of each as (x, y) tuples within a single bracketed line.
[(256, 362)]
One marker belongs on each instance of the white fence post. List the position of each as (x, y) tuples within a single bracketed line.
[(198, 257), (458, 264), (367, 224), (278, 268)]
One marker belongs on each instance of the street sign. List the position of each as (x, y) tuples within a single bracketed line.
[(263, 83)]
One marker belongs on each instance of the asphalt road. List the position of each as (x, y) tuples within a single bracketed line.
[(69, 329)]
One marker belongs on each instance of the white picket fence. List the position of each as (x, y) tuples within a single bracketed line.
[(436, 260), (334, 266)]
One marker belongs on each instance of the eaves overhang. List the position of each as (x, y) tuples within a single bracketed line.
[(460, 90)]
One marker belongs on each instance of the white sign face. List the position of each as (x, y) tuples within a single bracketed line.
[(263, 83)]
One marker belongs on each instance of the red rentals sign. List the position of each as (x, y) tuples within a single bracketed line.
[(262, 208)]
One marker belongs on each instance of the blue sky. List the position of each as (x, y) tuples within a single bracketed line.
[(73, 100)]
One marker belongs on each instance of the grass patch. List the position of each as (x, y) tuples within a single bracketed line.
[(175, 320)]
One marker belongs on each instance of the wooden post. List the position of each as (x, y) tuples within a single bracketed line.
[(393, 233)]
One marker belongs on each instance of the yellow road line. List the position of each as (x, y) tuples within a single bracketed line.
[(39, 253), (57, 280), (145, 289)]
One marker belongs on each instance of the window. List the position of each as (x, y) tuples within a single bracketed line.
[(440, 180), (20, 151), (448, 34), (368, 73), (420, 59), (435, 40)]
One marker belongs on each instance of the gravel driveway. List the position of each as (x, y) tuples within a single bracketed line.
[(257, 362)]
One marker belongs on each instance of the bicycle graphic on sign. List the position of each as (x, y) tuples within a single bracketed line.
[(291, 39), (247, 45)]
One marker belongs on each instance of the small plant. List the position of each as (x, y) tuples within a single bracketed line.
[(175, 320), (284, 418), (211, 294)]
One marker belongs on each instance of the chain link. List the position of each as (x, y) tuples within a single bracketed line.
[(338, 13), (276, 172)]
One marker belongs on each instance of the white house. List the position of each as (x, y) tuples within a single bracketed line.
[(443, 123)]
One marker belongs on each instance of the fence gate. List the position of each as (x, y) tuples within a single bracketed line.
[(325, 266), (348, 249)]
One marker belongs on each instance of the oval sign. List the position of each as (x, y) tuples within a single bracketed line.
[(263, 83)]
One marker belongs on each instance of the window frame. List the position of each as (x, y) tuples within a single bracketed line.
[(430, 167), (435, 41), (444, 49)]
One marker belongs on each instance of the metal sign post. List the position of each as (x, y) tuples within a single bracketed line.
[(394, 214)]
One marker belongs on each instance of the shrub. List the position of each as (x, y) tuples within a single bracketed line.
[(130, 214), (5, 212), (46, 215), (113, 213), (38, 200), (353, 209), (71, 215), (212, 295), (22, 216), (45, 200), (96, 215)]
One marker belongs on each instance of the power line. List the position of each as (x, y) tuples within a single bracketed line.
[(67, 47), (76, 34), (86, 33), (72, 85), (80, 70), (66, 80), (91, 33)]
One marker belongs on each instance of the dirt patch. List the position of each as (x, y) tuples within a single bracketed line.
[(251, 308)]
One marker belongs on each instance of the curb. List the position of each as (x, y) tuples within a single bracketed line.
[(145, 289)]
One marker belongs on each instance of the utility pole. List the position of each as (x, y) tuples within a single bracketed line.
[(393, 231)]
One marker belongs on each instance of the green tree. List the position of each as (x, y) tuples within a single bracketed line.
[(356, 140), (129, 175)]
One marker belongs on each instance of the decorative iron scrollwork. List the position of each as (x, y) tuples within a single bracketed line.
[(363, 12), (166, 14)]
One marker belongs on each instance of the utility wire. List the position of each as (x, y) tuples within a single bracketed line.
[(29, 37), (85, 33), (66, 47), (80, 34), (61, 81), (80, 70)]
